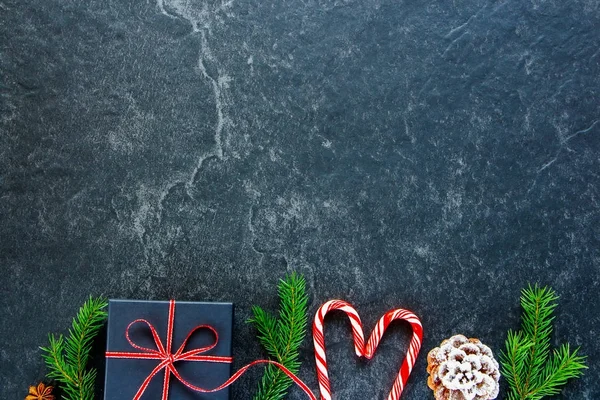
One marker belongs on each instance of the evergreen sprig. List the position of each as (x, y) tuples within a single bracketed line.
[(531, 369), (66, 358), (282, 336)]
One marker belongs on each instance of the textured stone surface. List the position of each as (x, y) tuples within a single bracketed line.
[(434, 155)]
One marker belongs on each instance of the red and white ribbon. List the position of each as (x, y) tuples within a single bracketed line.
[(167, 359), (367, 350)]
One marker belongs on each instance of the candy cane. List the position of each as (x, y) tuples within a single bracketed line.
[(367, 350)]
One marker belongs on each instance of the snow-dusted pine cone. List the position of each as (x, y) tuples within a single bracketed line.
[(463, 369)]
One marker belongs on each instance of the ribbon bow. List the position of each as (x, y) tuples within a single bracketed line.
[(166, 357)]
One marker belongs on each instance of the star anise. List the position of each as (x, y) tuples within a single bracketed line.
[(41, 392)]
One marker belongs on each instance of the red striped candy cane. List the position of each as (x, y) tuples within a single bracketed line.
[(367, 350)]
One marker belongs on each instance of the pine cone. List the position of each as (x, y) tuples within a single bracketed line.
[(463, 369)]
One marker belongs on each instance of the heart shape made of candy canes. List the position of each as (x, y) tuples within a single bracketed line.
[(366, 350)]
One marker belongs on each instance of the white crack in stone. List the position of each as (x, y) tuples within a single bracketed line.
[(201, 15), (564, 140)]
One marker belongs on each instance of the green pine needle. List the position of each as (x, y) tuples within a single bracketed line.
[(67, 358), (282, 336), (530, 368)]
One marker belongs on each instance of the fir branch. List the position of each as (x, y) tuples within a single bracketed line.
[(530, 370), (67, 358), (513, 360), (265, 323), (538, 306), (282, 336)]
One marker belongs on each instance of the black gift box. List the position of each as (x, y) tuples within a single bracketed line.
[(125, 376)]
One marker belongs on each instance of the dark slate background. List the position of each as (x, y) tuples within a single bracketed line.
[(437, 156)]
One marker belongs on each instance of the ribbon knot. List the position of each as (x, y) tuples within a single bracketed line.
[(170, 359)]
